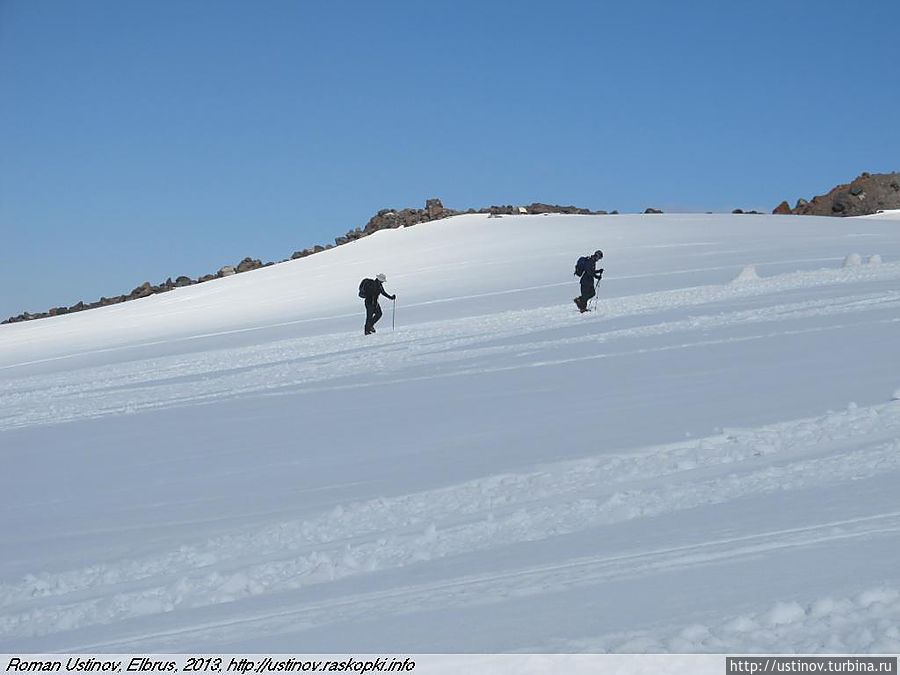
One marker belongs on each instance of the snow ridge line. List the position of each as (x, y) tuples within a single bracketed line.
[(161, 383), (487, 513)]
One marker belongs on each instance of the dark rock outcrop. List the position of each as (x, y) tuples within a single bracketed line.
[(391, 218), (248, 264), (434, 208), (868, 193), (539, 208), (141, 291), (783, 209)]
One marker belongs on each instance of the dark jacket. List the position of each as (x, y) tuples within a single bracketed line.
[(374, 288), (590, 271)]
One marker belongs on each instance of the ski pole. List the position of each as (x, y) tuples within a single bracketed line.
[(393, 313), (596, 286)]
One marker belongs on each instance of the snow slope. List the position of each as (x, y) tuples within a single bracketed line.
[(890, 214), (708, 462)]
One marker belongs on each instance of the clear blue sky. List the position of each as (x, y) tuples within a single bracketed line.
[(144, 139)]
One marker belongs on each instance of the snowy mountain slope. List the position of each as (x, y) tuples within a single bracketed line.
[(701, 464)]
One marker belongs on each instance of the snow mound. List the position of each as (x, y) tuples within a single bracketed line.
[(853, 260), (747, 274)]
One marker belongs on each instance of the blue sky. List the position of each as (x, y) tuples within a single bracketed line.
[(146, 139)]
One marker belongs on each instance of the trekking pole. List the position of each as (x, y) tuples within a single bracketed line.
[(393, 313), (596, 286)]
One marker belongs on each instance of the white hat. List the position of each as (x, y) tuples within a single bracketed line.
[(381, 278)]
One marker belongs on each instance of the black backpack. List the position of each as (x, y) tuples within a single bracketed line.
[(365, 287), (581, 266)]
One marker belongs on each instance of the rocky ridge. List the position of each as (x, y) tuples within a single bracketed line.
[(868, 193), (384, 219)]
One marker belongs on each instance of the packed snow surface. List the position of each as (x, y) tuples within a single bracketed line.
[(708, 461)]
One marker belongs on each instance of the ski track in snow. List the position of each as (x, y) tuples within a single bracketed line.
[(867, 630), (445, 350), (490, 512)]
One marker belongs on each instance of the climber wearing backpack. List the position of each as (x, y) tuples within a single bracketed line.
[(370, 290), (586, 268)]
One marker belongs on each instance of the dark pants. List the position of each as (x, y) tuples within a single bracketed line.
[(373, 313), (587, 289)]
